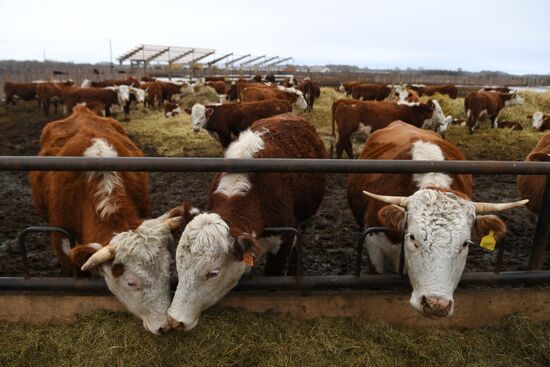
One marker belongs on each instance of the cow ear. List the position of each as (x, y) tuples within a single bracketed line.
[(246, 243), (187, 110), (392, 217), (431, 105), (209, 111), (178, 217), (484, 224), (81, 253)]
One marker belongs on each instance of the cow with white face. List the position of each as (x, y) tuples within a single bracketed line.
[(108, 215), (217, 247), (431, 213)]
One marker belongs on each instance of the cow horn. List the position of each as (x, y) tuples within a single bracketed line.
[(174, 222), (402, 201), (99, 257), (498, 207)]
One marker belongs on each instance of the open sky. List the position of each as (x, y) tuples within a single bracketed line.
[(506, 35)]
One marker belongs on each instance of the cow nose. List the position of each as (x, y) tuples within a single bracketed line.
[(176, 325), (436, 306)]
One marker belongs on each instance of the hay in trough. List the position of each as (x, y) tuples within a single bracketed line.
[(227, 337)]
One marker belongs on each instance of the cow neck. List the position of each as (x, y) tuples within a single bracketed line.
[(241, 213)]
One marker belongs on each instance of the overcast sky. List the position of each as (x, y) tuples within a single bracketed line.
[(507, 35)]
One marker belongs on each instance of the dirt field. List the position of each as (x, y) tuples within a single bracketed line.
[(331, 235)]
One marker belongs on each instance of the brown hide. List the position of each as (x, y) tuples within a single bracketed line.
[(69, 200), (532, 187), (276, 199), (395, 142)]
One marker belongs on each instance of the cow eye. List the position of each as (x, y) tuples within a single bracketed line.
[(214, 273), (131, 283), (411, 236)]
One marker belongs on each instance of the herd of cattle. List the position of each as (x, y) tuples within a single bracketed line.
[(108, 213)]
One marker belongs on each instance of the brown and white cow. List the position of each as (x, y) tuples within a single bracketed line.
[(171, 91), (107, 214), (347, 87), (217, 247), (219, 86), (541, 121), (224, 122), (431, 212), (496, 89), (24, 91), (512, 125), (50, 93), (352, 116), (370, 91), (153, 94), (171, 109), (255, 93), (532, 187), (73, 95), (477, 104)]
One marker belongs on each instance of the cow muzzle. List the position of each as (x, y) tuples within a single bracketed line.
[(176, 325), (436, 306)]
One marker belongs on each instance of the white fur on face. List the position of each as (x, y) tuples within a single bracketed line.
[(301, 102), (246, 147), (438, 118), (424, 151), (198, 117), (107, 182), (441, 223), (341, 88), (206, 246), (538, 119), (186, 90), (144, 287), (515, 101), (123, 94), (138, 93)]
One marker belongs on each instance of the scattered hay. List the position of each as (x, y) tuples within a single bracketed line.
[(228, 337), (203, 94), (173, 136)]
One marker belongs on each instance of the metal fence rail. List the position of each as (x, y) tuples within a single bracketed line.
[(162, 164), (542, 233)]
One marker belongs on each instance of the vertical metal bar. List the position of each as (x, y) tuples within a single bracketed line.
[(500, 256), (23, 248), (542, 231)]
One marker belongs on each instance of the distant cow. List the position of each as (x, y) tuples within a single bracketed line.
[(491, 103), (225, 122), (311, 92), (532, 187), (219, 86), (153, 94), (430, 90), (347, 87), (512, 125), (171, 109), (432, 214), (541, 121), (257, 78), (47, 93), (171, 90), (25, 91), (254, 93), (73, 95), (353, 116), (109, 83), (270, 78), (214, 79), (370, 91)]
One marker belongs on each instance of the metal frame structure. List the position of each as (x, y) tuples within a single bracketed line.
[(143, 55), (542, 233)]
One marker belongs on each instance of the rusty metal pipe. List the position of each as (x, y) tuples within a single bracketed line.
[(12, 163)]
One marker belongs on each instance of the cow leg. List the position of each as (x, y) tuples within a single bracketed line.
[(107, 110), (494, 121), (339, 147), (349, 149), (46, 106)]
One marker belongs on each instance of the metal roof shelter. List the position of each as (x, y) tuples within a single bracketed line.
[(147, 54)]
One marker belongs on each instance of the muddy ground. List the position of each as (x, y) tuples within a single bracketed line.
[(330, 237)]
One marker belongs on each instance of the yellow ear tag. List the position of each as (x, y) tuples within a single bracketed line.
[(248, 259), (488, 241)]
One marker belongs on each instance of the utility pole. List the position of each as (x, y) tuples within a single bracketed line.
[(112, 66)]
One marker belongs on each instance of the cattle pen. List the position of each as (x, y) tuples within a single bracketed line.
[(59, 300)]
